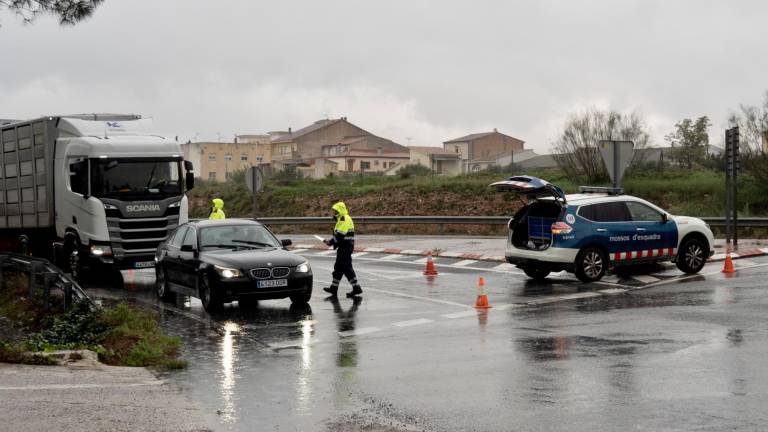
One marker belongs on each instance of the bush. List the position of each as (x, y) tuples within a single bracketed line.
[(414, 170)]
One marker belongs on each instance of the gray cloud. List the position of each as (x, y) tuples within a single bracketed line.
[(428, 70)]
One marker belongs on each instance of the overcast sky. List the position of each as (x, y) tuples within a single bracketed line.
[(418, 72)]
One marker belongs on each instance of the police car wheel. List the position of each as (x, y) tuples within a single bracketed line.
[(590, 265), (692, 256), (536, 272)]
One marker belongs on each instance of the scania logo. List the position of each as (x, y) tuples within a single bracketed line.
[(135, 208)]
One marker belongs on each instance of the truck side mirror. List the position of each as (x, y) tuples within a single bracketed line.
[(188, 166), (190, 180)]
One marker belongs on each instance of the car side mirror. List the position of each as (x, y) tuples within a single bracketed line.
[(187, 248), (286, 242), (664, 218)]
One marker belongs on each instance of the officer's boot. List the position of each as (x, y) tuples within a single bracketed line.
[(333, 288), (356, 290)]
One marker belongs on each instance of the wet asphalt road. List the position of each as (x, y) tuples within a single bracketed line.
[(658, 352)]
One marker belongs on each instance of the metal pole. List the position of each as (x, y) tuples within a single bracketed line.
[(727, 160), (616, 164), (735, 185), (254, 176)]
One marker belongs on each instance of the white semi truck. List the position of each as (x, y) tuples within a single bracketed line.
[(95, 192)]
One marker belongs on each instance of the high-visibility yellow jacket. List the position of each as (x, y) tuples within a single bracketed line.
[(216, 210), (344, 231)]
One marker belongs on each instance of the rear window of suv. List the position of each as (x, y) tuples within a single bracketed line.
[(615, 211)]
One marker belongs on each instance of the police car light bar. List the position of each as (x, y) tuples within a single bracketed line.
[(601, 190)]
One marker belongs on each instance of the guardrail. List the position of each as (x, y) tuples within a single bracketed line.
[(43, 276), (744, 222)]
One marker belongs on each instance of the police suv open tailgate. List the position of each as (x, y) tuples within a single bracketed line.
[(531, 187)]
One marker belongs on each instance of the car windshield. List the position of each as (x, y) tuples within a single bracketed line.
[(237, 236), (135, 177)]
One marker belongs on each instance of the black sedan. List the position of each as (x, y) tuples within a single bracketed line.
[(221, 261)]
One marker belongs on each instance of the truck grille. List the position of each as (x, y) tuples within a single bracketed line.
[(139, 237)]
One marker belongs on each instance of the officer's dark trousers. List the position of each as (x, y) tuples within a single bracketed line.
[(343, 265)]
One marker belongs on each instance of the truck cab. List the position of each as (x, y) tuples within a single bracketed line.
[(119, 191)]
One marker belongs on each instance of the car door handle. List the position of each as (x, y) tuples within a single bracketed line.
[(601, 229), (641, 229)]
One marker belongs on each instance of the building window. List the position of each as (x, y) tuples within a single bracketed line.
[(365, 165), (212, 175), (228, 175), (228, 157), (211, 156), (284, 150), (376, 163), (244, 157)]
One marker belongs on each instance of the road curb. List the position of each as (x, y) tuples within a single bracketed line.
[(744, 253)]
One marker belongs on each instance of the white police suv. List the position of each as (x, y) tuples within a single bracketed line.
[(590, 232)]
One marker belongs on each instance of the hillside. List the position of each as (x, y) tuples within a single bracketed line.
[(697, 193)]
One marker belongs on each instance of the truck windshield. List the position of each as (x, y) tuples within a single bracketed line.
[(135, 178)]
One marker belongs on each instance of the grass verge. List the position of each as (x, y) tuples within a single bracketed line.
[(121, 335)]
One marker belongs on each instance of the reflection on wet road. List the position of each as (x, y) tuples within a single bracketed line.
[(413, 354)]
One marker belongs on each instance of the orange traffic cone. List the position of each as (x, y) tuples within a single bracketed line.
[(430, 270), (728, 268), (482, 298)]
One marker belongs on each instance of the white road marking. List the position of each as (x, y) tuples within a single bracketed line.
[(411, 252), (718, 257), (360, 331), (298, 251), (743, 263), (466, 313), (82, 386), (646, 279), (326, 252), (359, 254), (482, 269), (421, 260), (433, 300), (504, 267), (610, 291), (391, 257), (373, 249), (452, 254), (610, 279), (691, 276), (412, 323), (464, 263)]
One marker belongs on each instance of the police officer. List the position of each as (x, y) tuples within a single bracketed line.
[(217, 211), (343, 241)]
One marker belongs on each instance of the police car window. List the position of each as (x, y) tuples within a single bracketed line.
[(611, 212), (642, 213), (178, 237), (587, 212)]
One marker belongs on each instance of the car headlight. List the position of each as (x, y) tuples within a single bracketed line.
[(174, 204), (303, 267), (227, 273), (101, 250), (109, 207)]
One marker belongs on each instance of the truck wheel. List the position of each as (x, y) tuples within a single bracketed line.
[(210, 298), (590, 265), (536, 273), (164, 293), (692, 256)]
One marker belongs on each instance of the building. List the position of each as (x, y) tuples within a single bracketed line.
[(217, 161), (335, 146), (479, 151), (438, 159)]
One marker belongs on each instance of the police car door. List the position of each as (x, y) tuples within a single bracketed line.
[(612, 228), (655, 235)]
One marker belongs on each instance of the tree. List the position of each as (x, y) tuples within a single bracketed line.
[(753, 127), (576, 150), (68, 12), (689, 141), (753, 138)]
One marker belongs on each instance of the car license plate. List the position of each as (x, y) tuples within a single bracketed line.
[(272, 283), (144, 264)]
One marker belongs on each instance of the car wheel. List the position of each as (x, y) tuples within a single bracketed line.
[(302, 298), (590, 265), (247, 302), (210, 298), (692, 256), (536, 273), (164, 293)]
